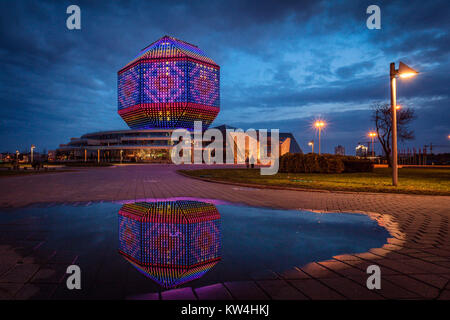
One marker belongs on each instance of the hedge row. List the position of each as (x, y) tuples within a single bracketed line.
[(327, 163), (353, 164)]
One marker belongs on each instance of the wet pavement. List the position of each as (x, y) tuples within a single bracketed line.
[(415, 261)]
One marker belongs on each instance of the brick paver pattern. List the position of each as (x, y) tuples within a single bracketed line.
[(415, 263)]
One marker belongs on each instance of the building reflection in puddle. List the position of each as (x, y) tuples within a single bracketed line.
[(171, 242)]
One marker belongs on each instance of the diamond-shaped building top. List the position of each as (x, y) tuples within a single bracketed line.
[(169, 85), (170, 47)]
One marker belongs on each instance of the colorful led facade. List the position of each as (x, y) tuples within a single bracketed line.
[(171, 242), (169, 85)]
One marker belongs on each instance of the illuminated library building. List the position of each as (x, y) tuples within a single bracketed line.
[(169, 85)]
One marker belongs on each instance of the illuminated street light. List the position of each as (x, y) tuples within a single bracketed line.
[(372, 136), (398, 107), (319, 124), (403, 71), (32, 148), (311, 144)]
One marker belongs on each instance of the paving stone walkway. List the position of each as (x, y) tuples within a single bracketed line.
[(415, 263)]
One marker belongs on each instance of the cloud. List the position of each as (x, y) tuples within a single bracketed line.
[(353, 69), (284, 61)]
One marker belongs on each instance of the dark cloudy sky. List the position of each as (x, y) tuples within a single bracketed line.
[(283, 64)]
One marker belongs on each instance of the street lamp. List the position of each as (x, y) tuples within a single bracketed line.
[(32, 148), (372, 136), (311, 144), (319, 124), (403, 71)]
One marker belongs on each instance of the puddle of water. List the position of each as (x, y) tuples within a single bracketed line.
[(188, 243)]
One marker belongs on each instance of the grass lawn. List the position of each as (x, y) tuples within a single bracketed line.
[(411, 180)]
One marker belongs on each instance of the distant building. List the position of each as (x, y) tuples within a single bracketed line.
[(288, 144), (340, 150), (7, 157), (141, 146), (361, 150), (51, 155)]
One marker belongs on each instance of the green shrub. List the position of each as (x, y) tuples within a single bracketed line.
[(311, 163), (335, 165), (357, 165), (327, 163)]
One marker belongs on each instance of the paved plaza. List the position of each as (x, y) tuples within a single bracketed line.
[(415, 263)]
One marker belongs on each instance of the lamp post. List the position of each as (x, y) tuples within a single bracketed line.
[(403, 71), (311, 144), (32, 148), (16, 164), (319, 125), (372, 136)]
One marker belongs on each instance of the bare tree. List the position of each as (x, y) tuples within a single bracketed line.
[(382, 116)]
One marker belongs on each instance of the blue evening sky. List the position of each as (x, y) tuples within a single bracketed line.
[(283, 64)]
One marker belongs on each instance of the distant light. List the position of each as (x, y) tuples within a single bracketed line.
[(372, 134), (319, 124), (360, 146), (398, 107)]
